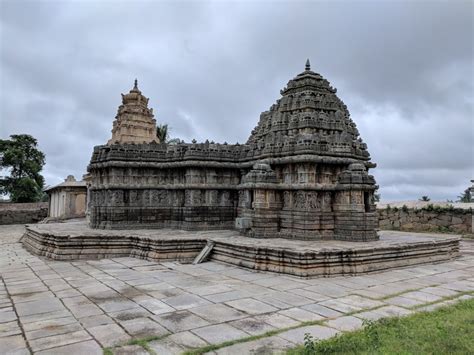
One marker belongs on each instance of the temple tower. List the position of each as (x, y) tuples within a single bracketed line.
[(134, 122)]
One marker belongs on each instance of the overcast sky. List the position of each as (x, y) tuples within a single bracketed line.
[(404, 68)]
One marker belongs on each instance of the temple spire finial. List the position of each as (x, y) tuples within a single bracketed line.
[(307, 65), (135, 85)]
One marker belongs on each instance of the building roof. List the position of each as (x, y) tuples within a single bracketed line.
[(69, 182)]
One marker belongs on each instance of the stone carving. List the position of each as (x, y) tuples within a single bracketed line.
[(134, 122), (303, 172)]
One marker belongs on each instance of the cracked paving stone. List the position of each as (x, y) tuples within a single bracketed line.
[(347, 323), (9, 328), (180, 320), (185, 301), (321, 310), (58, 340), (218, 313), (277, 320), (301, 314), (219, 333), (143, 327), (251, 306), (187, 340), (109, 335), (89, 347), (265, 346), (252, 326), (13, 345), (53, 330)]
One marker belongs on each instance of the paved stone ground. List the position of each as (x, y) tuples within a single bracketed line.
[(49, 307)]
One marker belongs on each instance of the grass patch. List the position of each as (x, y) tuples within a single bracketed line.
[(143, 342), (448, 330)]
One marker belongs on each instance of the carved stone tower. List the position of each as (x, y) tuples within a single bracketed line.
[(134, 122)]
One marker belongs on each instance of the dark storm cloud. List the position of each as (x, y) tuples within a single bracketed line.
[(404, 68)]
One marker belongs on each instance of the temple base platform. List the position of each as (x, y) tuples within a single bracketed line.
[(303, 258)]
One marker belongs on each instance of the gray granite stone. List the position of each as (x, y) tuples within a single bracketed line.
[(322, 310), (347, 323), (181, 320), (89, 347), (277, 320), (185, 301), (218, 313), (13, 345), (215, 334), (58, 340), (301, 315), (130, 350), (143, 327), (266, 346), (251, 306), (109, 335), (45, 305), (252, 326)]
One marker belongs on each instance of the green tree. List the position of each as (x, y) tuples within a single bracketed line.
[(163, 134), (425, 198), (465, 196), (377, 194), (21, 157)]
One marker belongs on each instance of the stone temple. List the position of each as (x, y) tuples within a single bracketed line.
[(296, 198), (302, 174)]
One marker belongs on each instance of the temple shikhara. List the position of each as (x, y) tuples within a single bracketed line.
[(134, 122), (302, 174)]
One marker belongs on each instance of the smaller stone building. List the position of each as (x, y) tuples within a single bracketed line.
[(68, 199)]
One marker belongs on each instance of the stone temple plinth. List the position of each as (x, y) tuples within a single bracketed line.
[(303, 173)]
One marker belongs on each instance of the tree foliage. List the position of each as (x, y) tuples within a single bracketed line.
[(21, 157), (465, 196), (425, 198), (163, 135)]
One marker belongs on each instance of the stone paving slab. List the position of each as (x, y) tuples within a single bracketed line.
[(218, 313), (215, 334), (252, 326), (301, 315), (347, 323), (51, 307), (270, 345), (180, 320), (89, 347)]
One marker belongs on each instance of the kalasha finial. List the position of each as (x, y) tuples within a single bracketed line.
[(308, 65), (135, 86)]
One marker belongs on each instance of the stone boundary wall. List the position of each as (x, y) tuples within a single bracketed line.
[(22, 213), (427, 219)]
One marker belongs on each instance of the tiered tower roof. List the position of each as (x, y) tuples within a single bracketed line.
[(134, 122), (309, 118)]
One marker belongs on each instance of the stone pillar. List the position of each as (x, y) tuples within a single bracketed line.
[(266, 202), (355, 218)]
